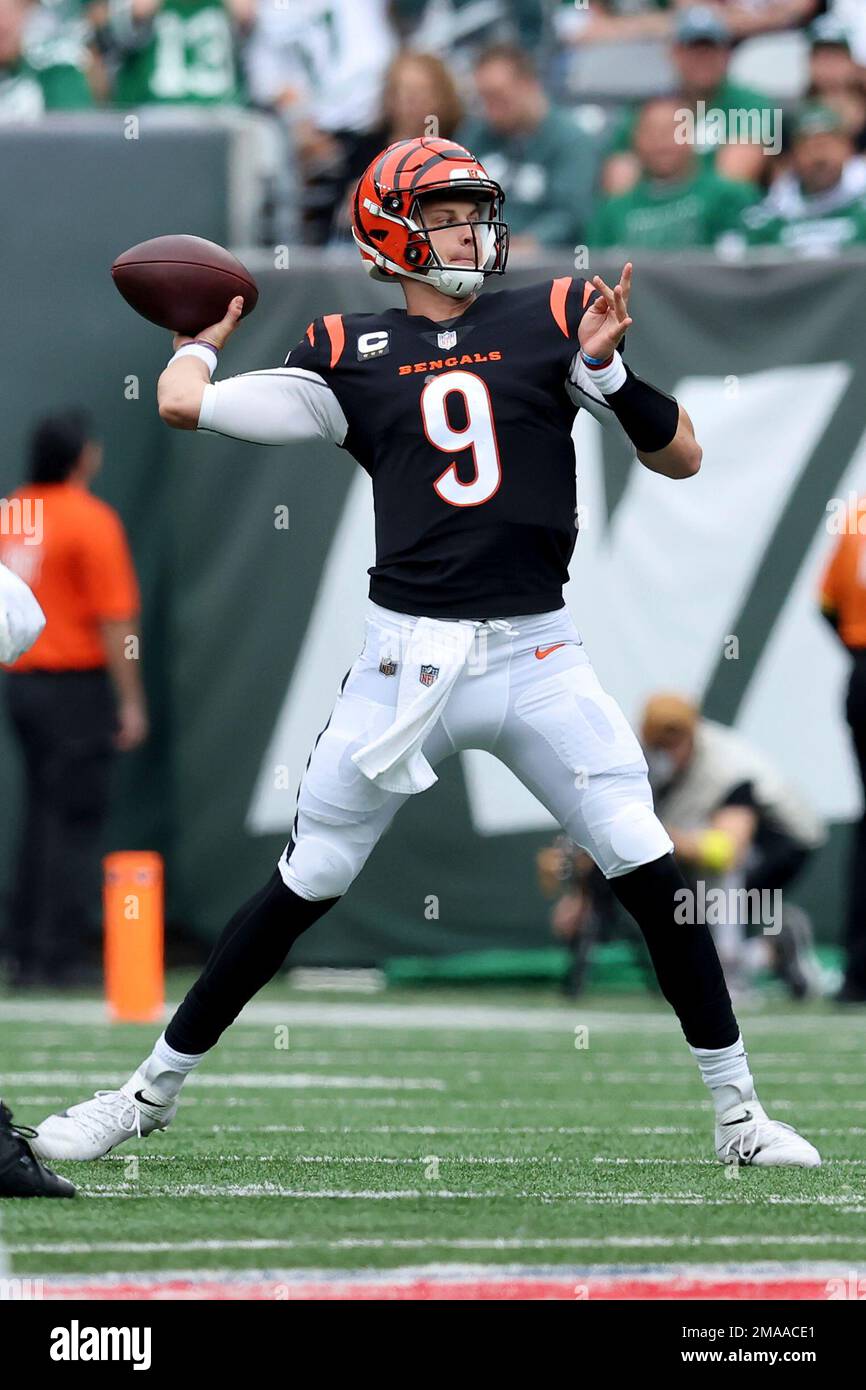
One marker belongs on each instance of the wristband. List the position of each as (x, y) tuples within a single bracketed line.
[(205, 352), (596, 361), (608, 376)]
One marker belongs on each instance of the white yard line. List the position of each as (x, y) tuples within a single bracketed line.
[(758, 1270), (461, 1131), (237, 1081), (294, 1081), (677, 1242), (147, 1191), (458, 1018), (413, 1160)]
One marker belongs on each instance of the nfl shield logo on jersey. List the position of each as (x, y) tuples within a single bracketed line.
[(447, 340), (428, 674)]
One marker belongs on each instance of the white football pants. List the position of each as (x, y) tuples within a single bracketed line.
[(530, 697)]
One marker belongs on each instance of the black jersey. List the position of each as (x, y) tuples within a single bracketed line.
[(465, 429)]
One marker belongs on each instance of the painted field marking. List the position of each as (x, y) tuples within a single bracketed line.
[(148, 1191), (257, 1245), (250, 1081), (439, 1018)]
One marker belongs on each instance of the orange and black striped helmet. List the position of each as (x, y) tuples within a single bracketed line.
[(388, 219)]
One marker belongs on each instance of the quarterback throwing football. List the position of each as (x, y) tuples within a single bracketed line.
[(460, 408)]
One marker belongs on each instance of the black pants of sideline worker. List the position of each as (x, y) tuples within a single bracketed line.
[(855, 927), (64, 723)]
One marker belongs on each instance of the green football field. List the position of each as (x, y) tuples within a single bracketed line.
[(441, 1129)]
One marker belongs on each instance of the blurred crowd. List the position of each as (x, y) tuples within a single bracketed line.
[(611, 123)]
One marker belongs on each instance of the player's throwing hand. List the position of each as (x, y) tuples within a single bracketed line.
[(219, 333), (603, 326)]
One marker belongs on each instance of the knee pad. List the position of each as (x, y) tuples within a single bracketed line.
[(315, 869), (637, 836)]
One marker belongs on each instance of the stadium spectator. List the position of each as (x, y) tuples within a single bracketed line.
[(446, 26), (31, 84), (677, 202), (843, 603), (69, 31), (747, 18), (735, 823), (817, 207), (610, 21), (419, 96), (852, 13), (613, 21), (732, 125), (175, 52), (535, 149), (320, 65), (835, 79), (71, 549)]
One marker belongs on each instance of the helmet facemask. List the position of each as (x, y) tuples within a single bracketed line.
[(489, 246)]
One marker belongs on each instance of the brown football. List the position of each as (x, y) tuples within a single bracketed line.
[(182, 283)]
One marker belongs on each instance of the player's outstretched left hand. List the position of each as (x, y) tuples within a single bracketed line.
[(604, 324)]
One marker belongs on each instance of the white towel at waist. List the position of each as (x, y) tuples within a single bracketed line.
[(437, 650)]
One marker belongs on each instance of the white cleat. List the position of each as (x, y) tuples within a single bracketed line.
[(95, 1127), (745, 1134)]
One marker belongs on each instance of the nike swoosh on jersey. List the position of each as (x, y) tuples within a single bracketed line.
[(542, 652)]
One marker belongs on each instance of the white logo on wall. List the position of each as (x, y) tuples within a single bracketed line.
[(373, 345), (447, 340)]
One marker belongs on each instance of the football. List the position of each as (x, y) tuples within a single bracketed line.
[(182, 283)]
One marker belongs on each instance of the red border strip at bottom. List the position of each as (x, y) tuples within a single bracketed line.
[(508, 1287)]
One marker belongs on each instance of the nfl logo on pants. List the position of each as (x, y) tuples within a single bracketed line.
[(428, 674)]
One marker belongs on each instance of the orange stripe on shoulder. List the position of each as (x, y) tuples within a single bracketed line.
[(337, 334), (558, 295), (311, 335)]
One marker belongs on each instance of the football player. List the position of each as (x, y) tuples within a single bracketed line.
[(460, 407), (21, 1173)]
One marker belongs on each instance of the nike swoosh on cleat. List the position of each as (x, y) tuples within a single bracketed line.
[(542, 652), (740, 1119), (148, 1100)]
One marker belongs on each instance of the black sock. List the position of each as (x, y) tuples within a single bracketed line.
[(684, 957), (248, 954)]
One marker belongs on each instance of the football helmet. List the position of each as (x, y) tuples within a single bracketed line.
[(388, 215)]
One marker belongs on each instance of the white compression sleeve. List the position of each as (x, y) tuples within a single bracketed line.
[(278, 406)]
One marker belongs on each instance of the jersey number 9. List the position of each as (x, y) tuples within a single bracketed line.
[(478, 434)]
